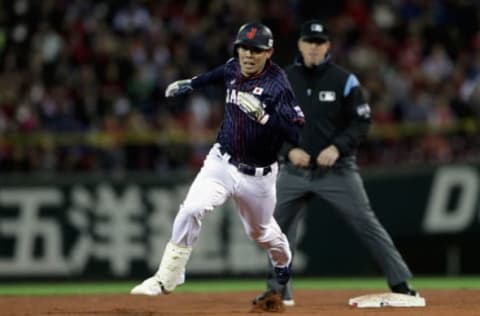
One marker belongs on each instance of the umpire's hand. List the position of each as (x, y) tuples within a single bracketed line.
[(299, 157), (328, 157)]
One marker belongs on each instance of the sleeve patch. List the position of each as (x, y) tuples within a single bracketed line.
[(363, 110), (299, 111), (352, 82)]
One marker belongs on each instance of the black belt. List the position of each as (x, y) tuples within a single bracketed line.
[(250, 170), (247, 169)]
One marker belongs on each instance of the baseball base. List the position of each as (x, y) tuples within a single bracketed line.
[(387, 300)]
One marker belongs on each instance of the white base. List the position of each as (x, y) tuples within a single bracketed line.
[(387, 300)]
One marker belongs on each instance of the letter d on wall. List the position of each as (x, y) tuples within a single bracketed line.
[(439, 218)]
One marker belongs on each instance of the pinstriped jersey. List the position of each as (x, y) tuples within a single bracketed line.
[(244, 139)]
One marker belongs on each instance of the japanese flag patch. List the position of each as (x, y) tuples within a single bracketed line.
[(257, 91)]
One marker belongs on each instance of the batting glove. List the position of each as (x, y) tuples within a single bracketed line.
[(253, 107), (179, 87)]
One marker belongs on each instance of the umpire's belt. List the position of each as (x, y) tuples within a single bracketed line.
[(244, 168)]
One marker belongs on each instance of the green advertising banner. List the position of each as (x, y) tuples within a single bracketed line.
[(432, 215), (95, 227)]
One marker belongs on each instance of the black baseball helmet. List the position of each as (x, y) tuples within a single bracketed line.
[(254, 35)]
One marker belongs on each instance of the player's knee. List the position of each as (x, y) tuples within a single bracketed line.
[(257, 233)]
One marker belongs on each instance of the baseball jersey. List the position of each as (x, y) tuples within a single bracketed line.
[(244, 139)]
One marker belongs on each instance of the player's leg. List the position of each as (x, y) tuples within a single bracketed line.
[(292, 195), (344, 189), (255, 198), (210, 188)]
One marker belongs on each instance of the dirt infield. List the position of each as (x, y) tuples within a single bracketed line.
[(439, 303)]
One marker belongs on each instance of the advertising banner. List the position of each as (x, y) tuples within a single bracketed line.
[(95, 227)]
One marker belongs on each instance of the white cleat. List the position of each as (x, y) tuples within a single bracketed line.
[(289, 303), (181, 279), (150, 287)]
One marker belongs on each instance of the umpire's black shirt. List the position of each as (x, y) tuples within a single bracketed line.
[(334, 106)]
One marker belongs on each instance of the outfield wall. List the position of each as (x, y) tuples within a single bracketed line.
[(96, 226)]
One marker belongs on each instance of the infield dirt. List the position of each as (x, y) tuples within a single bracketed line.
[(316, 302)]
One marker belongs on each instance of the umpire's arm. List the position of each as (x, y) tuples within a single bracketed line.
[(355, 121)]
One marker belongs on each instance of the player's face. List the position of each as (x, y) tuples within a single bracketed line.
[(252, 60), (313, 51)]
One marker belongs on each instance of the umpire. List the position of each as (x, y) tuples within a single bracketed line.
[(337, 119)]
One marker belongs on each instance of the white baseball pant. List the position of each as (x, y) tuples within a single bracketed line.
[(254, 196)]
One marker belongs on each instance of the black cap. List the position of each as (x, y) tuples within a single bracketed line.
[(314, 30)]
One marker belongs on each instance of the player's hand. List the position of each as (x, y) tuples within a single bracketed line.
[(328, 157), (299, 157), (253, 107), (179, 87)]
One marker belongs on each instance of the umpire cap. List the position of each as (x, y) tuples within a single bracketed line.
[(314, 30), (254, 35)]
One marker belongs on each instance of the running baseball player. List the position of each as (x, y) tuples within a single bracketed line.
[(260, 114)]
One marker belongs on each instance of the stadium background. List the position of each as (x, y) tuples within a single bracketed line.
[(94, 160)]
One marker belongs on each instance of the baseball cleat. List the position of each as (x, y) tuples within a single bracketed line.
[(150, 287), (181, 278), (289, 302), (286, 302), (404, 288)]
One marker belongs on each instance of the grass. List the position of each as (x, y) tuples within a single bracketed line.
[(115, 287)]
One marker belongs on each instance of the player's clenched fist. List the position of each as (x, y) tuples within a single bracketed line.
[(179, 87), (253, 107)]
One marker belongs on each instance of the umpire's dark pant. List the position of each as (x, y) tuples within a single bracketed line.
[(343, 188)]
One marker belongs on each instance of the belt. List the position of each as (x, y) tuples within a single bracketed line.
[(250, 170), (245, 168)]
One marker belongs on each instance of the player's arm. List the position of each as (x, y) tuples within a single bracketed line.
[(185, 86), (282, 116), (287, 117), (356, 112)]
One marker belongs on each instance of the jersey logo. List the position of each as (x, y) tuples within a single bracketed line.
[(232, 81), (316, 28), (231, 96), (327, 96), (257, 91), (251, 33)]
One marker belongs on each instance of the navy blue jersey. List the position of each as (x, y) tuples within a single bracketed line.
[(244, 139)]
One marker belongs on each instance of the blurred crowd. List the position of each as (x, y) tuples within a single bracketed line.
[(82, 81)]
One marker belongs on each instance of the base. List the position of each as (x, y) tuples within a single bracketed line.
[(387, 300)]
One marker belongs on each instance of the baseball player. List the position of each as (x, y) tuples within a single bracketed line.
[(260, 114), (323, 164)]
